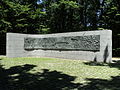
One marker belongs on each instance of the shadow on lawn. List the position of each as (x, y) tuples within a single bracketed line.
[(102, 84), (115, 64), (0, 58), (19, 78)]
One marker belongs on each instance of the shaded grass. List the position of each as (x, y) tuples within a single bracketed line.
[(64, 74)]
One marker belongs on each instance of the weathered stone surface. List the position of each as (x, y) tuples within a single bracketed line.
[(103, 38), (85, 43)]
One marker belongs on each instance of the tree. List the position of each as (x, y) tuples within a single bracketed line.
[(62, 16), (20, 18), (109, 17)]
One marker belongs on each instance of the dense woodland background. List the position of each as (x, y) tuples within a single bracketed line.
[(57, 16)]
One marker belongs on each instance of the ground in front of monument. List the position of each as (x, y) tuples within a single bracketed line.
[(58, 74)]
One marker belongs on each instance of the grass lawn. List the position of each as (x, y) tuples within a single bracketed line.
[(57, 74)]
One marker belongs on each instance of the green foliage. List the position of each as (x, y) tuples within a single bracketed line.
[(110, 16), (52, 16), (63, 16), (19, 18)]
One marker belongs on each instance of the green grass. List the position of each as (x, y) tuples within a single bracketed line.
[(59, 74)]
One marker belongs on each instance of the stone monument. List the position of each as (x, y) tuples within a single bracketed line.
[(86, 45)]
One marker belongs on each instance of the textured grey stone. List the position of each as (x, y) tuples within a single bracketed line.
[(16, 46), (86, 43)]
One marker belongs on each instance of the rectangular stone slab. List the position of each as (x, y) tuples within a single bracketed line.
[(85, 43)]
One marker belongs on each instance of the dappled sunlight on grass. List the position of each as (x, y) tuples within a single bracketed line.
[(84, 72)]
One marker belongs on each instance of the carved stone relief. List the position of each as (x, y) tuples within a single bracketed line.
[(85, 43)]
